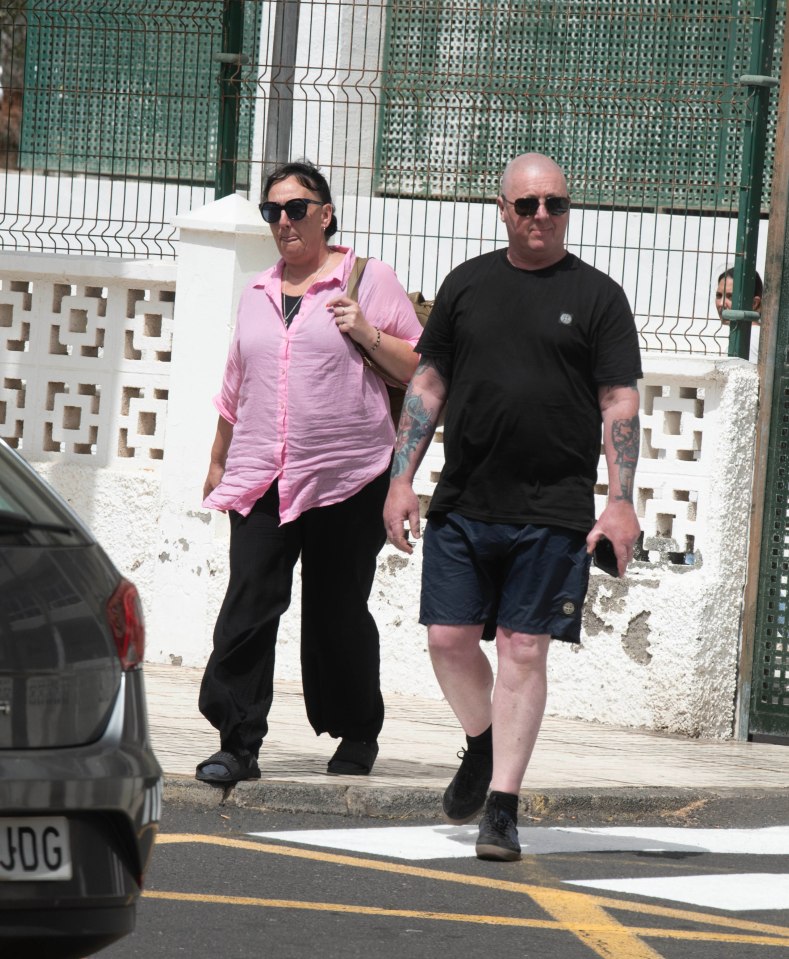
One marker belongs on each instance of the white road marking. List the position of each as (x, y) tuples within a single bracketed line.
[(457, 842), (734, 893), (769, 841), (731, 892), (399, 842)]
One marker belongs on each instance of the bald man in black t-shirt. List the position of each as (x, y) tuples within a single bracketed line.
[(534, 351)]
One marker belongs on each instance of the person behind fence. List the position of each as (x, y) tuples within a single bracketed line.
[(530, 350), (723, 294), (300, 462)]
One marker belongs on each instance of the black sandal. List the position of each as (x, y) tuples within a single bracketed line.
[(224, 767), (353, 759)]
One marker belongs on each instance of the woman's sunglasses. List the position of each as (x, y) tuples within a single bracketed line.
[(529, 205), (294, 209)]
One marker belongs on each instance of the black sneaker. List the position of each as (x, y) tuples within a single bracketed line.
[(465, 796), (498, 835)]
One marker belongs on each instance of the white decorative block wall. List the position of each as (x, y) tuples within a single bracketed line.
[(672, 479), (87, 347)]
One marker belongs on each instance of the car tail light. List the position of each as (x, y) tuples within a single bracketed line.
[(124, 613)]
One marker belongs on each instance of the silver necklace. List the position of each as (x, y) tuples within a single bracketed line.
[(286, 317)]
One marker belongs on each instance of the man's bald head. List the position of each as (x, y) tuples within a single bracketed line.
[(527, 163)]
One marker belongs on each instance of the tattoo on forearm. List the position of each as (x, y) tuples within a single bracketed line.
[(416, 423), (625, 437)]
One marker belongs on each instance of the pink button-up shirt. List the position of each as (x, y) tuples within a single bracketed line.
[(305, 409)]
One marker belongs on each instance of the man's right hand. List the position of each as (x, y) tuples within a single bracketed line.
[(401, 507)]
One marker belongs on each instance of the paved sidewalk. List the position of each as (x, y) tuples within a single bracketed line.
[(576, 765)]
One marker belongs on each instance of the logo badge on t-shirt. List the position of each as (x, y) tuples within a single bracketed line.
[(566, 318), (568, 608)]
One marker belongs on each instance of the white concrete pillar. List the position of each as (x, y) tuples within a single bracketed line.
[(221, 247)]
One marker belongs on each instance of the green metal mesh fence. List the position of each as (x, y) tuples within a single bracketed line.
[(109, 127), (117, 91), (635, 100)]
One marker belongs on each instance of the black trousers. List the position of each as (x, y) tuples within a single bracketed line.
[(340, 658)]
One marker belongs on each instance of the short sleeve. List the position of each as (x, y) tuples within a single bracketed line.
[(385, 303), (617, 356), (437, 337), (226, 400)]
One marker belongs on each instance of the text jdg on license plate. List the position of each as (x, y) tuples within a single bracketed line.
[(34, 849)]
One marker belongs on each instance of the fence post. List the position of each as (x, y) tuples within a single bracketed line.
[(231, 59), (221, 247), (279, 120), (772, 374), (759, 84)]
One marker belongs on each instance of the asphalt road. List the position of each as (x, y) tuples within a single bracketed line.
[(380, 890)]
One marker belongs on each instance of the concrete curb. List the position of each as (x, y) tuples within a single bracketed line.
[(393, 803), (339, 799)]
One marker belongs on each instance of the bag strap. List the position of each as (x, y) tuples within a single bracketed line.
[(355, 277), (352, 292)]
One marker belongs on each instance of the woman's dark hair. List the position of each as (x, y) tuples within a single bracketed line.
[(758, 286), (310, 177)]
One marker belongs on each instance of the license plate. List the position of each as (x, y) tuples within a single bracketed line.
[(35, 849)]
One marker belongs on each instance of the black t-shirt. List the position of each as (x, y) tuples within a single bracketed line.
[(526, 352)]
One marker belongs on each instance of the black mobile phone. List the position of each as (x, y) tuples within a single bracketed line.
[(604, 557)]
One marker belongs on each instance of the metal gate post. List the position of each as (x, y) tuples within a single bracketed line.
[(773, 368), (759, 84), (231, 59), (279, 119)]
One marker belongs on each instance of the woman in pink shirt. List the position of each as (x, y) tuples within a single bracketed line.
[(300, 462)]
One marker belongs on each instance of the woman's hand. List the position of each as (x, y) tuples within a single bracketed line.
[(214, 478), (222, 440), (349, 319), (394, 356)]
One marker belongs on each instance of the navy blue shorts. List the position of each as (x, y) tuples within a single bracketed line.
[(530, 579)]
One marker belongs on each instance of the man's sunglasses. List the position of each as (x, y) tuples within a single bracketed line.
[(295, 209), (529, 205)]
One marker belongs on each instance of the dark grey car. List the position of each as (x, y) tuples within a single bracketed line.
[(80, 787)]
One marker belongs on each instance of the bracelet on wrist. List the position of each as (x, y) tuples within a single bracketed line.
[(377, 343)]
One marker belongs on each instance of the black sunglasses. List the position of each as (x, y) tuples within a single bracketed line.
[(294, 209), (529, 205)]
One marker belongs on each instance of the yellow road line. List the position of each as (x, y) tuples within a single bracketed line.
[(346, 908), (780, 934), (604, 929), (592, 925), (688, 915)]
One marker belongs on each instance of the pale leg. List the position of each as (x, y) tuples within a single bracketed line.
[(518, 705), (463, 673)]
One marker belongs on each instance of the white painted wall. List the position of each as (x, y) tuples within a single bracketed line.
[(106, 389)]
